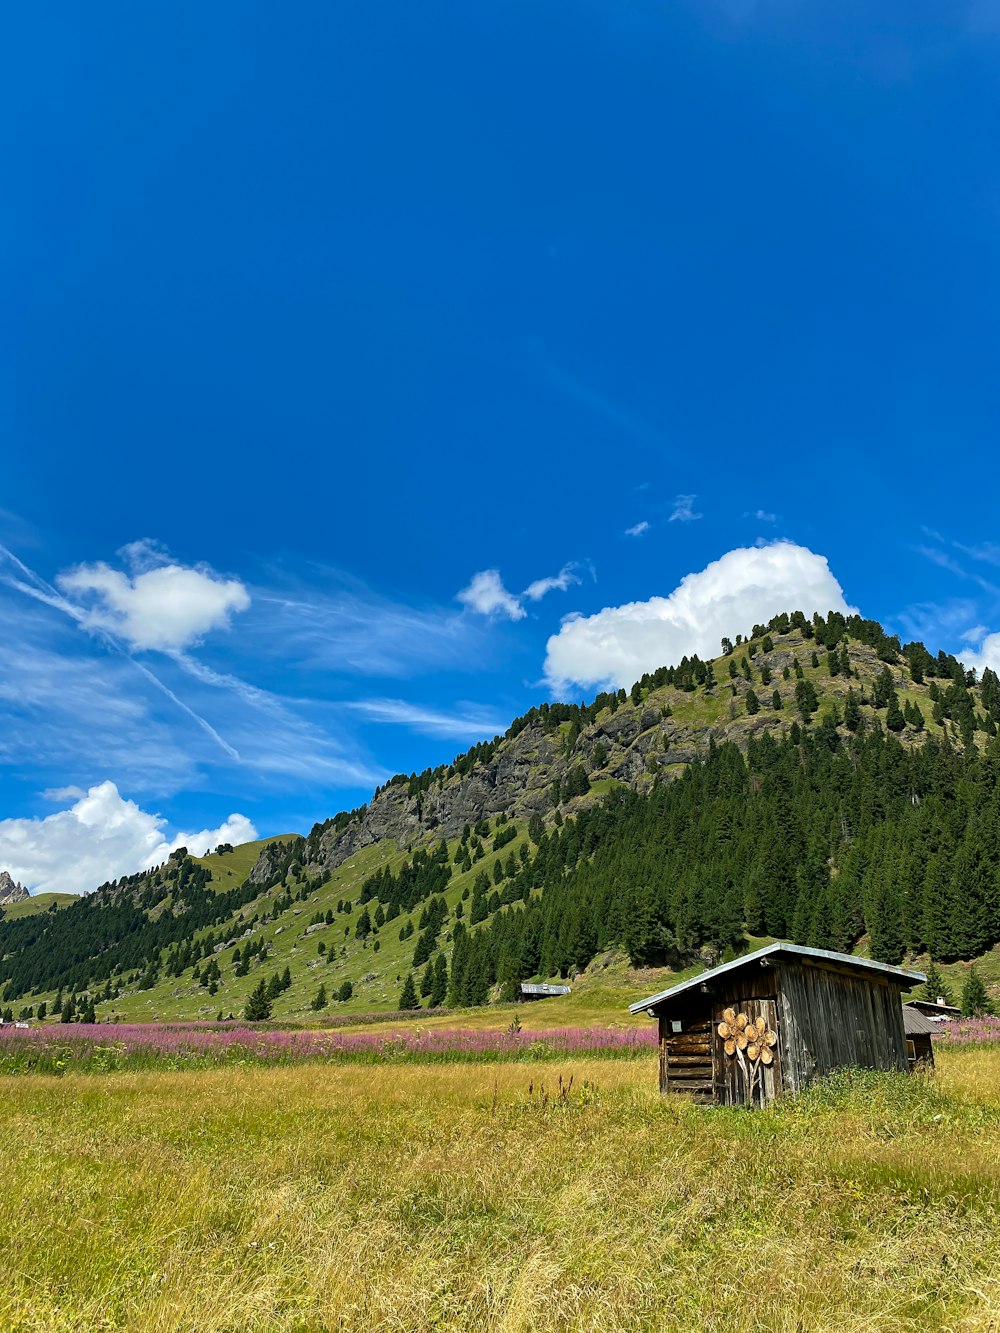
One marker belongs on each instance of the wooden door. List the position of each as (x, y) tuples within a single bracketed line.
[(738, 1078)]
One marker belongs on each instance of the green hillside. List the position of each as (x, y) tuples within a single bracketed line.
[(231, 868), (39, 902), (818, 781)]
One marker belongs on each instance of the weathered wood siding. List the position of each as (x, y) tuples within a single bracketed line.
[(686, 1056), (830, 1019), (754, 993)]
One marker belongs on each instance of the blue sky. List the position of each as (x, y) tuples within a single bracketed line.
[(316, 315)]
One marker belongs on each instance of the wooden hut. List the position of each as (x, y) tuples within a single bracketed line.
[(919, 1030), (936, 1010), (541, 990), (772, 1021)]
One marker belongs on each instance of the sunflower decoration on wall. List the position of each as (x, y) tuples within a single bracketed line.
[(751, 1043)]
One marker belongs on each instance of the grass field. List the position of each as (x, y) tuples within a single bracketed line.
[(314, 1198)]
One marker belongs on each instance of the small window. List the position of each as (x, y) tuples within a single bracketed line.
[(675, 1025)]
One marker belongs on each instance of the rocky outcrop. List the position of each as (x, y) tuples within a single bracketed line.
[(638, 742), (10, 890)]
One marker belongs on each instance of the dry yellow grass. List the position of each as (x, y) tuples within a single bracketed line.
[(412, 1198)]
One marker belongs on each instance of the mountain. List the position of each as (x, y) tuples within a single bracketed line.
[(10, 892), (818, 781)]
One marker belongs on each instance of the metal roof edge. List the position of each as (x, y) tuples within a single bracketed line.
[(779, 946)]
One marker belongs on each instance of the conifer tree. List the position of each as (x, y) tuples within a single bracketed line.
[(408, 995), (852, 711), (805, 697), (258, 1006), (974, 998), (935, 988), (320, 1000), (894, 718), (439, 989)]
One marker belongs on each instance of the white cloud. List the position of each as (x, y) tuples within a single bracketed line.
[(683, 511), (987, 656), (487, 595), (637, 530), (744, 587), (764, 517), (472, 724), (557, 582), (161, 606), (100, 837)]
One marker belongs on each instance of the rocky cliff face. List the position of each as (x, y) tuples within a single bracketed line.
[(10, 891), (518, 779)]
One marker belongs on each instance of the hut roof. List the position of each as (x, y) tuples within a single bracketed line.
[(939, 1011), (917, 1024), (542, 988), (894, 974)]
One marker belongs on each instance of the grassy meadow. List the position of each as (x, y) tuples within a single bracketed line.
[(315, 1197)]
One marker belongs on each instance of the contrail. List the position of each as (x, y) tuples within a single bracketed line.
[(574, 389), (44, 592)]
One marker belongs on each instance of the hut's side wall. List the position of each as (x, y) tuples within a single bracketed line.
[(831, 1019), (919, 1051)]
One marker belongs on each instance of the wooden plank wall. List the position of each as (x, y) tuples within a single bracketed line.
[(830, 1019), (686, 1056)]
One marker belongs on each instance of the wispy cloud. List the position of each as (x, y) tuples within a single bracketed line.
[(989, 552), (939, 622), (637, 530), (683, 510), (80, 717), (40, 590), (68, 702), (946, 561), (566, 577), (467, 723), (336, 624)]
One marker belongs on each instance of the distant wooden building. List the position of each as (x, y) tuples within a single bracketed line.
[(936, 1010), (919, 1030), (769, 1023), (541, 990)]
